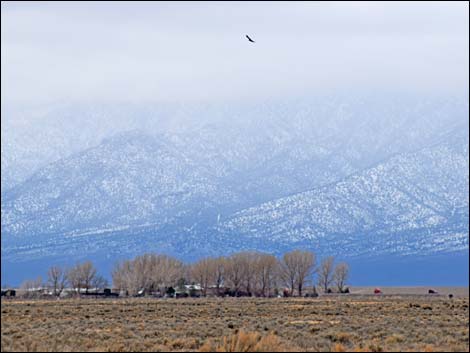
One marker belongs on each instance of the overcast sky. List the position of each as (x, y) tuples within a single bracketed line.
[(198, 51)]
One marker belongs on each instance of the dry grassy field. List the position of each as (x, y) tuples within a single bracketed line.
[(455, 291), (361, 323)]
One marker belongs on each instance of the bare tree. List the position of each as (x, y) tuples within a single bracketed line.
[(340, 276), (288, 270), (99, 282), (148, 272), (74, 278), (202, 271), (166, 271), (219, 267), (173, 268), (265, 271), (296, 268), (123, 277), (305, 268), (88, 275), (31, 288), (57, 279), (234, 273), (82, 276), (325, 274), (247, 261)]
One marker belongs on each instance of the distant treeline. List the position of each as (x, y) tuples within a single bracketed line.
[(241, 274)]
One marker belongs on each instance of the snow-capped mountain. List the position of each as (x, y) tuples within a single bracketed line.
[(412, 203), (352, 177), (129, 179)]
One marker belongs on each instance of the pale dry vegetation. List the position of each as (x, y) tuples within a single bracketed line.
[(237, 324)]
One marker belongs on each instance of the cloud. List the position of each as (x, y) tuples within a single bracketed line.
[(197, 51)]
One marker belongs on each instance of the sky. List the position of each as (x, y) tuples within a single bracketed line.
[(197, 51)]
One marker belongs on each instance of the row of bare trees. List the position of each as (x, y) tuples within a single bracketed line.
[(149, 272), (243, 273), (82, 276)]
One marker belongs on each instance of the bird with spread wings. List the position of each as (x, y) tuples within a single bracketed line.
[(251, 40)]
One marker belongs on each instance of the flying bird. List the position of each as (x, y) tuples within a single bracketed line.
[(251, 40)]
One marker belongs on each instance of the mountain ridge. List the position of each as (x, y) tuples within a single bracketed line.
[(264, 184)]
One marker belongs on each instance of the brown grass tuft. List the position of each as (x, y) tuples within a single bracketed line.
[(338, 347), (246, 342)]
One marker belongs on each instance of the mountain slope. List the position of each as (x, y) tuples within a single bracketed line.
[(411, 203), (129, 179)]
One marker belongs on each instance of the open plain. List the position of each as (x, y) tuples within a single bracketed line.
[(326, 323)]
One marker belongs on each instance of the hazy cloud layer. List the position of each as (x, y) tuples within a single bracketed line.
[(197, 51)]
